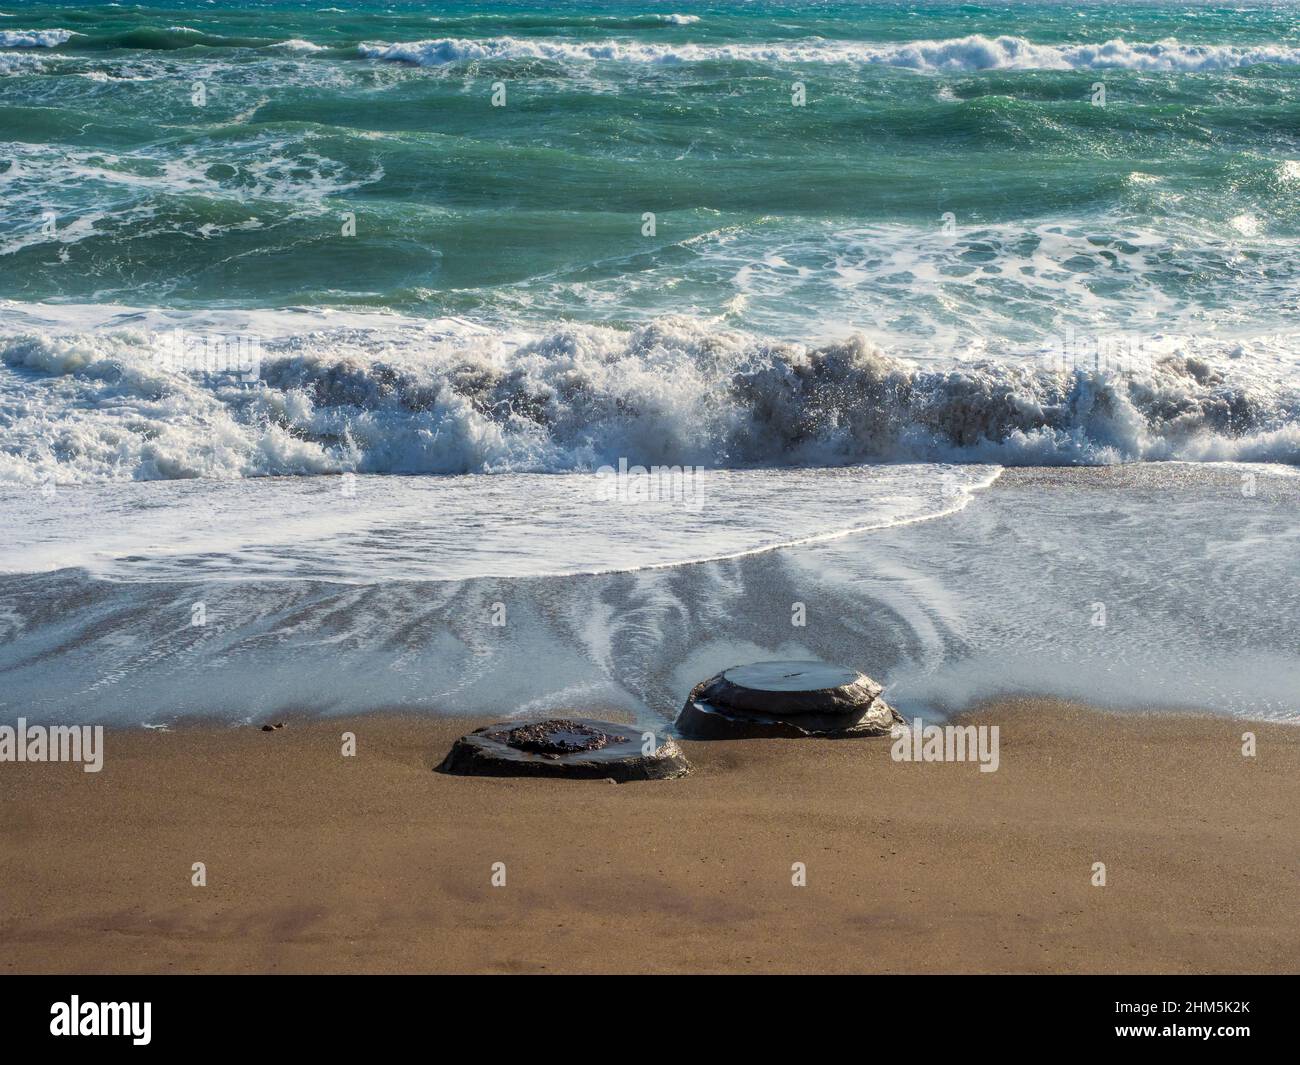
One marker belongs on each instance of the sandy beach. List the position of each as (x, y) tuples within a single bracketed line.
[(317, 862)]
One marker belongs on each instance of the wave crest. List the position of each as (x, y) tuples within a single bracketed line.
[(400, 400), (34, 38), (972, 53)]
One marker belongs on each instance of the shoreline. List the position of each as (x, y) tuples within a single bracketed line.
[(1063, 583), (376, 863)]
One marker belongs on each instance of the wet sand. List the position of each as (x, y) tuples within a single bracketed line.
[(320, 863)]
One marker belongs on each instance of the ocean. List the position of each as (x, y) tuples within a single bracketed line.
[(333, 320)]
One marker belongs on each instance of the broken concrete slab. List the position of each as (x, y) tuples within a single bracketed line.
[(786, 699), (577, 748)]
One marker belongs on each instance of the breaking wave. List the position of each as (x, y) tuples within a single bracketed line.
[(33, 38), (95, 405), (955, 55)]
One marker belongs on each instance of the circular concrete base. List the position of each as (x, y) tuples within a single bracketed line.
[(789, 699), (578, 748)]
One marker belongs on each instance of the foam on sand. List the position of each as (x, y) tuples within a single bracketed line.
[(1003, 594), (382, 529)]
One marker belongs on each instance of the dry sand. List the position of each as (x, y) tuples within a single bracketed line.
[(316, 862)]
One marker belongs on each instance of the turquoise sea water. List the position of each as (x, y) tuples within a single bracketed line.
[(958, 185), (1179, 199)]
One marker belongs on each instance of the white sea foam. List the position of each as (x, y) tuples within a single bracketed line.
[(12, 63), (457, 528), (297, 44), (271, 166), (34, 38), (955, 55), (986, 287), (387, 395)]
